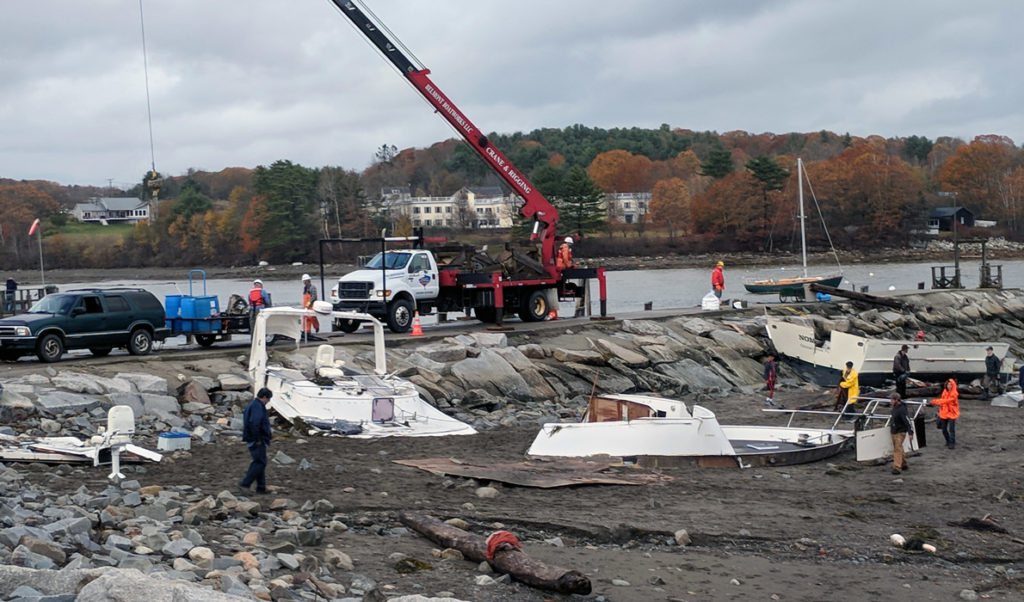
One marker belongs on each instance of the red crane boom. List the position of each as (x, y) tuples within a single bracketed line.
[(535, 205)]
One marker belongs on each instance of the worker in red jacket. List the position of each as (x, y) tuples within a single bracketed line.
[(718, 279)]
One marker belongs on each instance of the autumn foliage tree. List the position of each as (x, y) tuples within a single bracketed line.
[(670, 206), (982, 174)]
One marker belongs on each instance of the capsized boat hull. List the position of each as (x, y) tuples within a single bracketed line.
[(872, 358), (778, 285)]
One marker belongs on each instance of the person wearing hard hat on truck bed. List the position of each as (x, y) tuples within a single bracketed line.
[(564, 259)]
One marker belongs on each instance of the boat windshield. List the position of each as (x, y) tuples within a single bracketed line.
[(53, 304), (392, 261)]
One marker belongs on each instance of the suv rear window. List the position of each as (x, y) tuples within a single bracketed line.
[(147, 302), (116, 303)]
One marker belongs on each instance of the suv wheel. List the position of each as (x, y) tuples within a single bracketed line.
[(141, 342), (50, 348)]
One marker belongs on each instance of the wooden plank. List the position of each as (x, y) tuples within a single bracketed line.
[(563, 472)]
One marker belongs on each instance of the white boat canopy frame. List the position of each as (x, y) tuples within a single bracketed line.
[(287, 322)]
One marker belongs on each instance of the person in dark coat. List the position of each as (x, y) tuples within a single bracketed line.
[(901, 370), (771, 374), (256, 434), (992, 365), (900, 427)]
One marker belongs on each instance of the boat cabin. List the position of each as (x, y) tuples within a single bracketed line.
[(612, 407)]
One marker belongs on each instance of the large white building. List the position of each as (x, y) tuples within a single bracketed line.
[(488, 207), (484, 207)]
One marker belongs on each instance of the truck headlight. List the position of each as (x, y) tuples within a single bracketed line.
[(22, 331), (383, 294)]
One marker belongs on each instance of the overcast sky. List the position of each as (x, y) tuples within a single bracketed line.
[(247, 82)]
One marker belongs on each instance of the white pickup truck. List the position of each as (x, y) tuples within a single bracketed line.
[(411, 284)]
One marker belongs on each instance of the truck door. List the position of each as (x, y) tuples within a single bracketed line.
[(422, 277), (88, 324)]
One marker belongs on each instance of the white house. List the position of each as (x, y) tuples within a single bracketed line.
[(112, 210)]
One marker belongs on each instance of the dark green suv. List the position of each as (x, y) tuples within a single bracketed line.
[(93, 319)]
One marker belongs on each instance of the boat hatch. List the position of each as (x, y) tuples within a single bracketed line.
[(383, 409)]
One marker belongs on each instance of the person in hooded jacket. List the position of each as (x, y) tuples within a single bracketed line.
[(949, 411)]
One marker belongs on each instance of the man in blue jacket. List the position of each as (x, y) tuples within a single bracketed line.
[(256, 434)]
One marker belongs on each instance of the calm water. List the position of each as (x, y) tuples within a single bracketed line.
[(628, 291)]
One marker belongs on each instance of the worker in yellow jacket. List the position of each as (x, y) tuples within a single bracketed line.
[(849, 387)]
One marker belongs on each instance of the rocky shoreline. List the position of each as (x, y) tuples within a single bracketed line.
[(154, 537)]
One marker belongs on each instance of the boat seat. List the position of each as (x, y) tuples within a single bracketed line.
[(120, 424), (326, 365)]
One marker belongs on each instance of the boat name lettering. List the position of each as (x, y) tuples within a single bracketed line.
[(806, 339)]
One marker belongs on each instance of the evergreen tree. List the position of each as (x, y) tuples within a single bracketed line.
[(581, 204), (718, 164), (772, 177), (288, 226)]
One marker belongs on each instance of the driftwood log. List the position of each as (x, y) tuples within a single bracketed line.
[(855, 296), (515, 563)]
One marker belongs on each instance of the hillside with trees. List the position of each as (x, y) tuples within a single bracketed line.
[(734, 191)]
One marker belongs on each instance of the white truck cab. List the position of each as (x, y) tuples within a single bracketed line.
[(391, 286)]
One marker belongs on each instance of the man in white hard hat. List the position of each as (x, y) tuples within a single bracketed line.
[(310, 324), (258, 299), (564, 258)]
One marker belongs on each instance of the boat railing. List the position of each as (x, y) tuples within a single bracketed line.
[(868, 412)]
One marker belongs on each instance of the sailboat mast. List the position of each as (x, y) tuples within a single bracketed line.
[(803, 229)]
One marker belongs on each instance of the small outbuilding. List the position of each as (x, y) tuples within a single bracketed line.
[(941, 219)]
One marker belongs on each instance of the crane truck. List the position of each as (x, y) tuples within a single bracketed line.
[(458, 277)]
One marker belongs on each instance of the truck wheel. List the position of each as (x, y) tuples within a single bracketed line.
[(50, 348), (536, 307), (140, 343), (400, 316), (348, 326), (487, 315), (205, 340)]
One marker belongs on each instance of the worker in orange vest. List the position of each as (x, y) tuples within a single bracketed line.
[(564, 259), (310, 324), (258, 299)]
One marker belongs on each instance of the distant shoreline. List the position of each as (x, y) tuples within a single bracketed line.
[(30, 278)]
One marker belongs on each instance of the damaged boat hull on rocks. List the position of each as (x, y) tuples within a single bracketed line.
[(337, 401), (797, 339), (657, 432)]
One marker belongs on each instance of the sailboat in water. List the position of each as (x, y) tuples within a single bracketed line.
[(793, 287)]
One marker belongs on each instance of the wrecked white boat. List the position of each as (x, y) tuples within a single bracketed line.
[(655, 431), (104, 448), (826, 355), (338, 400)]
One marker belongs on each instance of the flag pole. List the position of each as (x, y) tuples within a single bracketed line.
[(42, 274)]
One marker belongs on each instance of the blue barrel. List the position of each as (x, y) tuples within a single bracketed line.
[(172, 305), (188, 307), (205, 307)]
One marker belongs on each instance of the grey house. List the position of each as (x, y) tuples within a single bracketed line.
[(112, 210)]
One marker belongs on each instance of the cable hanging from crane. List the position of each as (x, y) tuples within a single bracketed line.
[(153, 180)]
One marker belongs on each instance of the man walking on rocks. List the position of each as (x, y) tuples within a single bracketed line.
[(901, 370), (900, 427), (256, 434)]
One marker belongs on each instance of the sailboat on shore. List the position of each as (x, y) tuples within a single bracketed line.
[(793, 287)]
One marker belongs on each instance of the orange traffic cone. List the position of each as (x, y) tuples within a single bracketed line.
[(553, 314), (417, 330)]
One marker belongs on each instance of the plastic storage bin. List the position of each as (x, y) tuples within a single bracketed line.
[(173, 440)]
